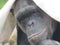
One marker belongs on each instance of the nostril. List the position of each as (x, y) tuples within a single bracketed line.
[(32, 23)]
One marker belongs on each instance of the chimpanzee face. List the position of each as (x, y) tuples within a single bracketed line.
[(34, 22)]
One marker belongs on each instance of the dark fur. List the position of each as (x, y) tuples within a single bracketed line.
[(22, 37)]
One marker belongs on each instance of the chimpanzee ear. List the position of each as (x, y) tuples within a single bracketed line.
[(12, 9)]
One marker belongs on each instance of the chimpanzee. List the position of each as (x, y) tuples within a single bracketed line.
[(33, 24)]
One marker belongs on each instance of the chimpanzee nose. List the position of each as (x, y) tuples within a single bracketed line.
[(31, 23)]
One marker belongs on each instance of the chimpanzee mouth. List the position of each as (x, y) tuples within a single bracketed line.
[(35, 35)]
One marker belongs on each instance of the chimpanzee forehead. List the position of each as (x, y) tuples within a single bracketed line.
[(28, 11)]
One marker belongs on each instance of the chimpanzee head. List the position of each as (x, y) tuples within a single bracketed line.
[(33, 21)]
